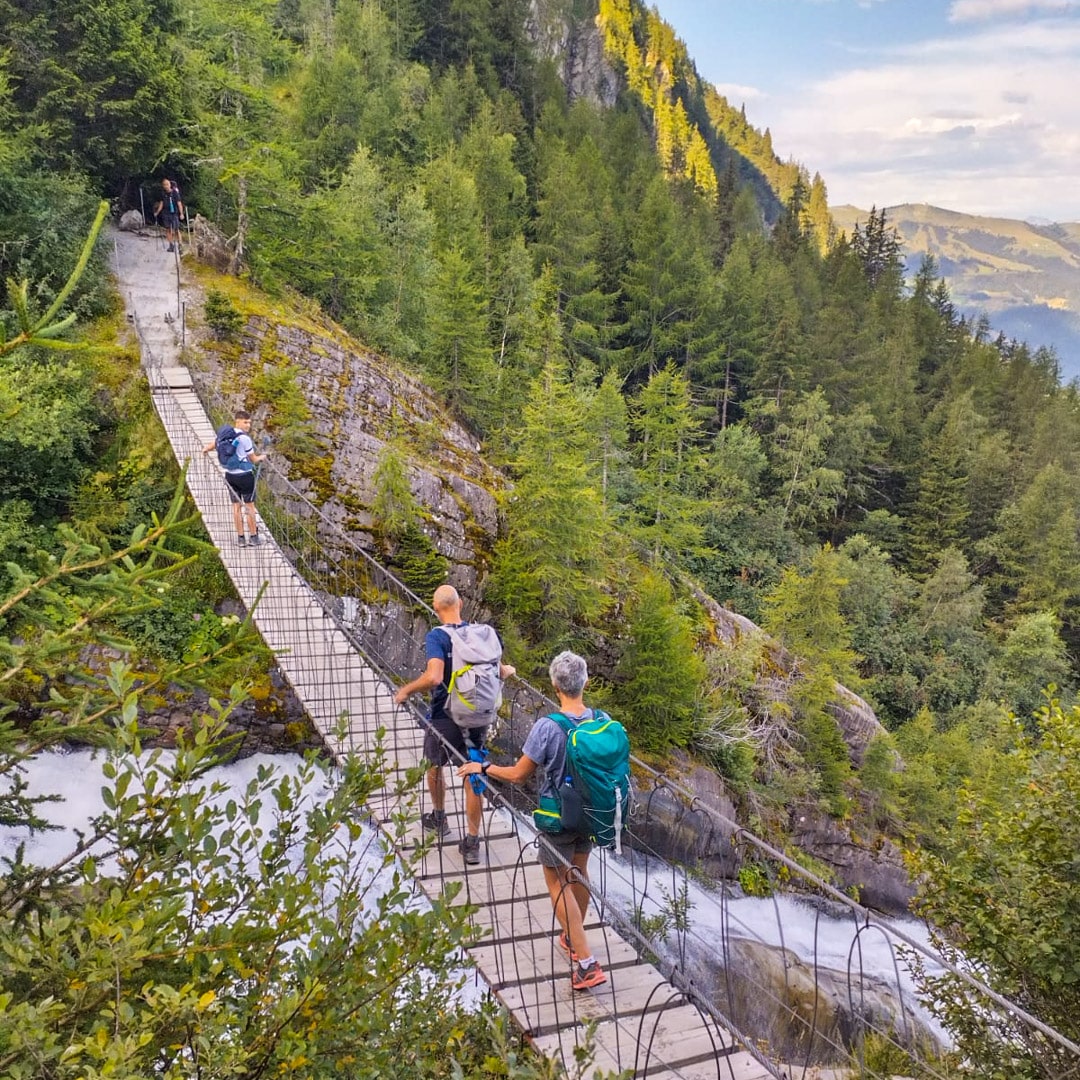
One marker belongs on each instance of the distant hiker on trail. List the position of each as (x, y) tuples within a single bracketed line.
[(464, 673), (545, 749), (236, 453), (170, 209)]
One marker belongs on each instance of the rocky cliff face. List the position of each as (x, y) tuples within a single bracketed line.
[(577, 47), (358, 404)]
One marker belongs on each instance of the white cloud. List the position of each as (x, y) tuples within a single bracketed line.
[(969, 10), (736, 92), (986, 121)]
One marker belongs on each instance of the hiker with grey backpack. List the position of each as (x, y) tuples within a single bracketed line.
[(464, 673), (582, 760)]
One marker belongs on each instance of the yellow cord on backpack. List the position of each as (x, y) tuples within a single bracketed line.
[(450, 687)]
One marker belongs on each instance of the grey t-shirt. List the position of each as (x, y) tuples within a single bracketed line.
[(546, 745)]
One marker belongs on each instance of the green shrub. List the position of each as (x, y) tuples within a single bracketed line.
[(221, 315), (754, 880)]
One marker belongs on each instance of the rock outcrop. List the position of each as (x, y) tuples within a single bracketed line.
[(576, 45), (358, 404), (855, 718), (874, 872), (805, 1014)]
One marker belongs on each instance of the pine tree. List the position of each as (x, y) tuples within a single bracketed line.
[(1037, 545), (666, 430), (803, 612), (724, 370), (660, 677), (607, 422), (393, 508), (457, 352), (101, 78), (663, 282), (798, 451), (550, 564)]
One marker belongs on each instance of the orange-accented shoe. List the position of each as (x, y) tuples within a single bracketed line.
[(584, 978)]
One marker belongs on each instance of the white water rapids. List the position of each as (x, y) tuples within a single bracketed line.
[(812, 936)]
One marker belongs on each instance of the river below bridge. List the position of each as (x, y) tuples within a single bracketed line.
[(817, 937)]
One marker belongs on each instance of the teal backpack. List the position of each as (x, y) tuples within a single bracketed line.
[(598, 768)]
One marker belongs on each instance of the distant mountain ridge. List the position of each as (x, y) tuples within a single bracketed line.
[(1024, 276)]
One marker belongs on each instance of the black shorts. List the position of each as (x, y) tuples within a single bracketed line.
[(437, 752), (241, 486), (561, 846), (171, 221)]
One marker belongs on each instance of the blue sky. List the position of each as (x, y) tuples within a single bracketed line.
[(973, 105)]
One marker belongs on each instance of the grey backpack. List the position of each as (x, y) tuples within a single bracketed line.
[(475, 691)]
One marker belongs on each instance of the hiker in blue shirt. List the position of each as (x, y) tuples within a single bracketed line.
[(442, 734), (545, 751), (171, 209), (240, 479)]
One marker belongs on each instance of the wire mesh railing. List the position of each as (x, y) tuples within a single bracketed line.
[(753, 989)]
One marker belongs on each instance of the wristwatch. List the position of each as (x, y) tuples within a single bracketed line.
[(484, 768)]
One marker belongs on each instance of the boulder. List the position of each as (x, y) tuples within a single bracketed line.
[(210, 244), (690, 835), (131, 221)]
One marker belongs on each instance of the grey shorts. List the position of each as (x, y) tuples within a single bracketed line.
[(554, 848)]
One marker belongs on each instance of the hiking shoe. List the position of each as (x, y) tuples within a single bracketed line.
[(469, 847), (255, 540), (585, 978), (433, 823), (171, 247), (241, 541), (564, 944)]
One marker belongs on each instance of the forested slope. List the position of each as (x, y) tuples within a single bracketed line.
[(639, 311)]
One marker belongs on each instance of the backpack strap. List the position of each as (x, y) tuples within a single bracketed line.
[(563, 721)]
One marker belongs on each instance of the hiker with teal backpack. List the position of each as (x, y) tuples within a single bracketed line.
[(582, 758), (464, 673)]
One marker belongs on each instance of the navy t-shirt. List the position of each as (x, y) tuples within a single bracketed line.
[(437, 646), (171, 200)]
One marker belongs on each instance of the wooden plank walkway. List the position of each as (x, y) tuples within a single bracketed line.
[(643, 1024)]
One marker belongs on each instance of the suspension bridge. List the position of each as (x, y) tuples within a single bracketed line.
[(344, 629)]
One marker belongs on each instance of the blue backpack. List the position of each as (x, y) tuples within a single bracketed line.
[(598, 775), (225, 444)]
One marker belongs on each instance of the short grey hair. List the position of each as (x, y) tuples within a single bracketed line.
[(569, 673)]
